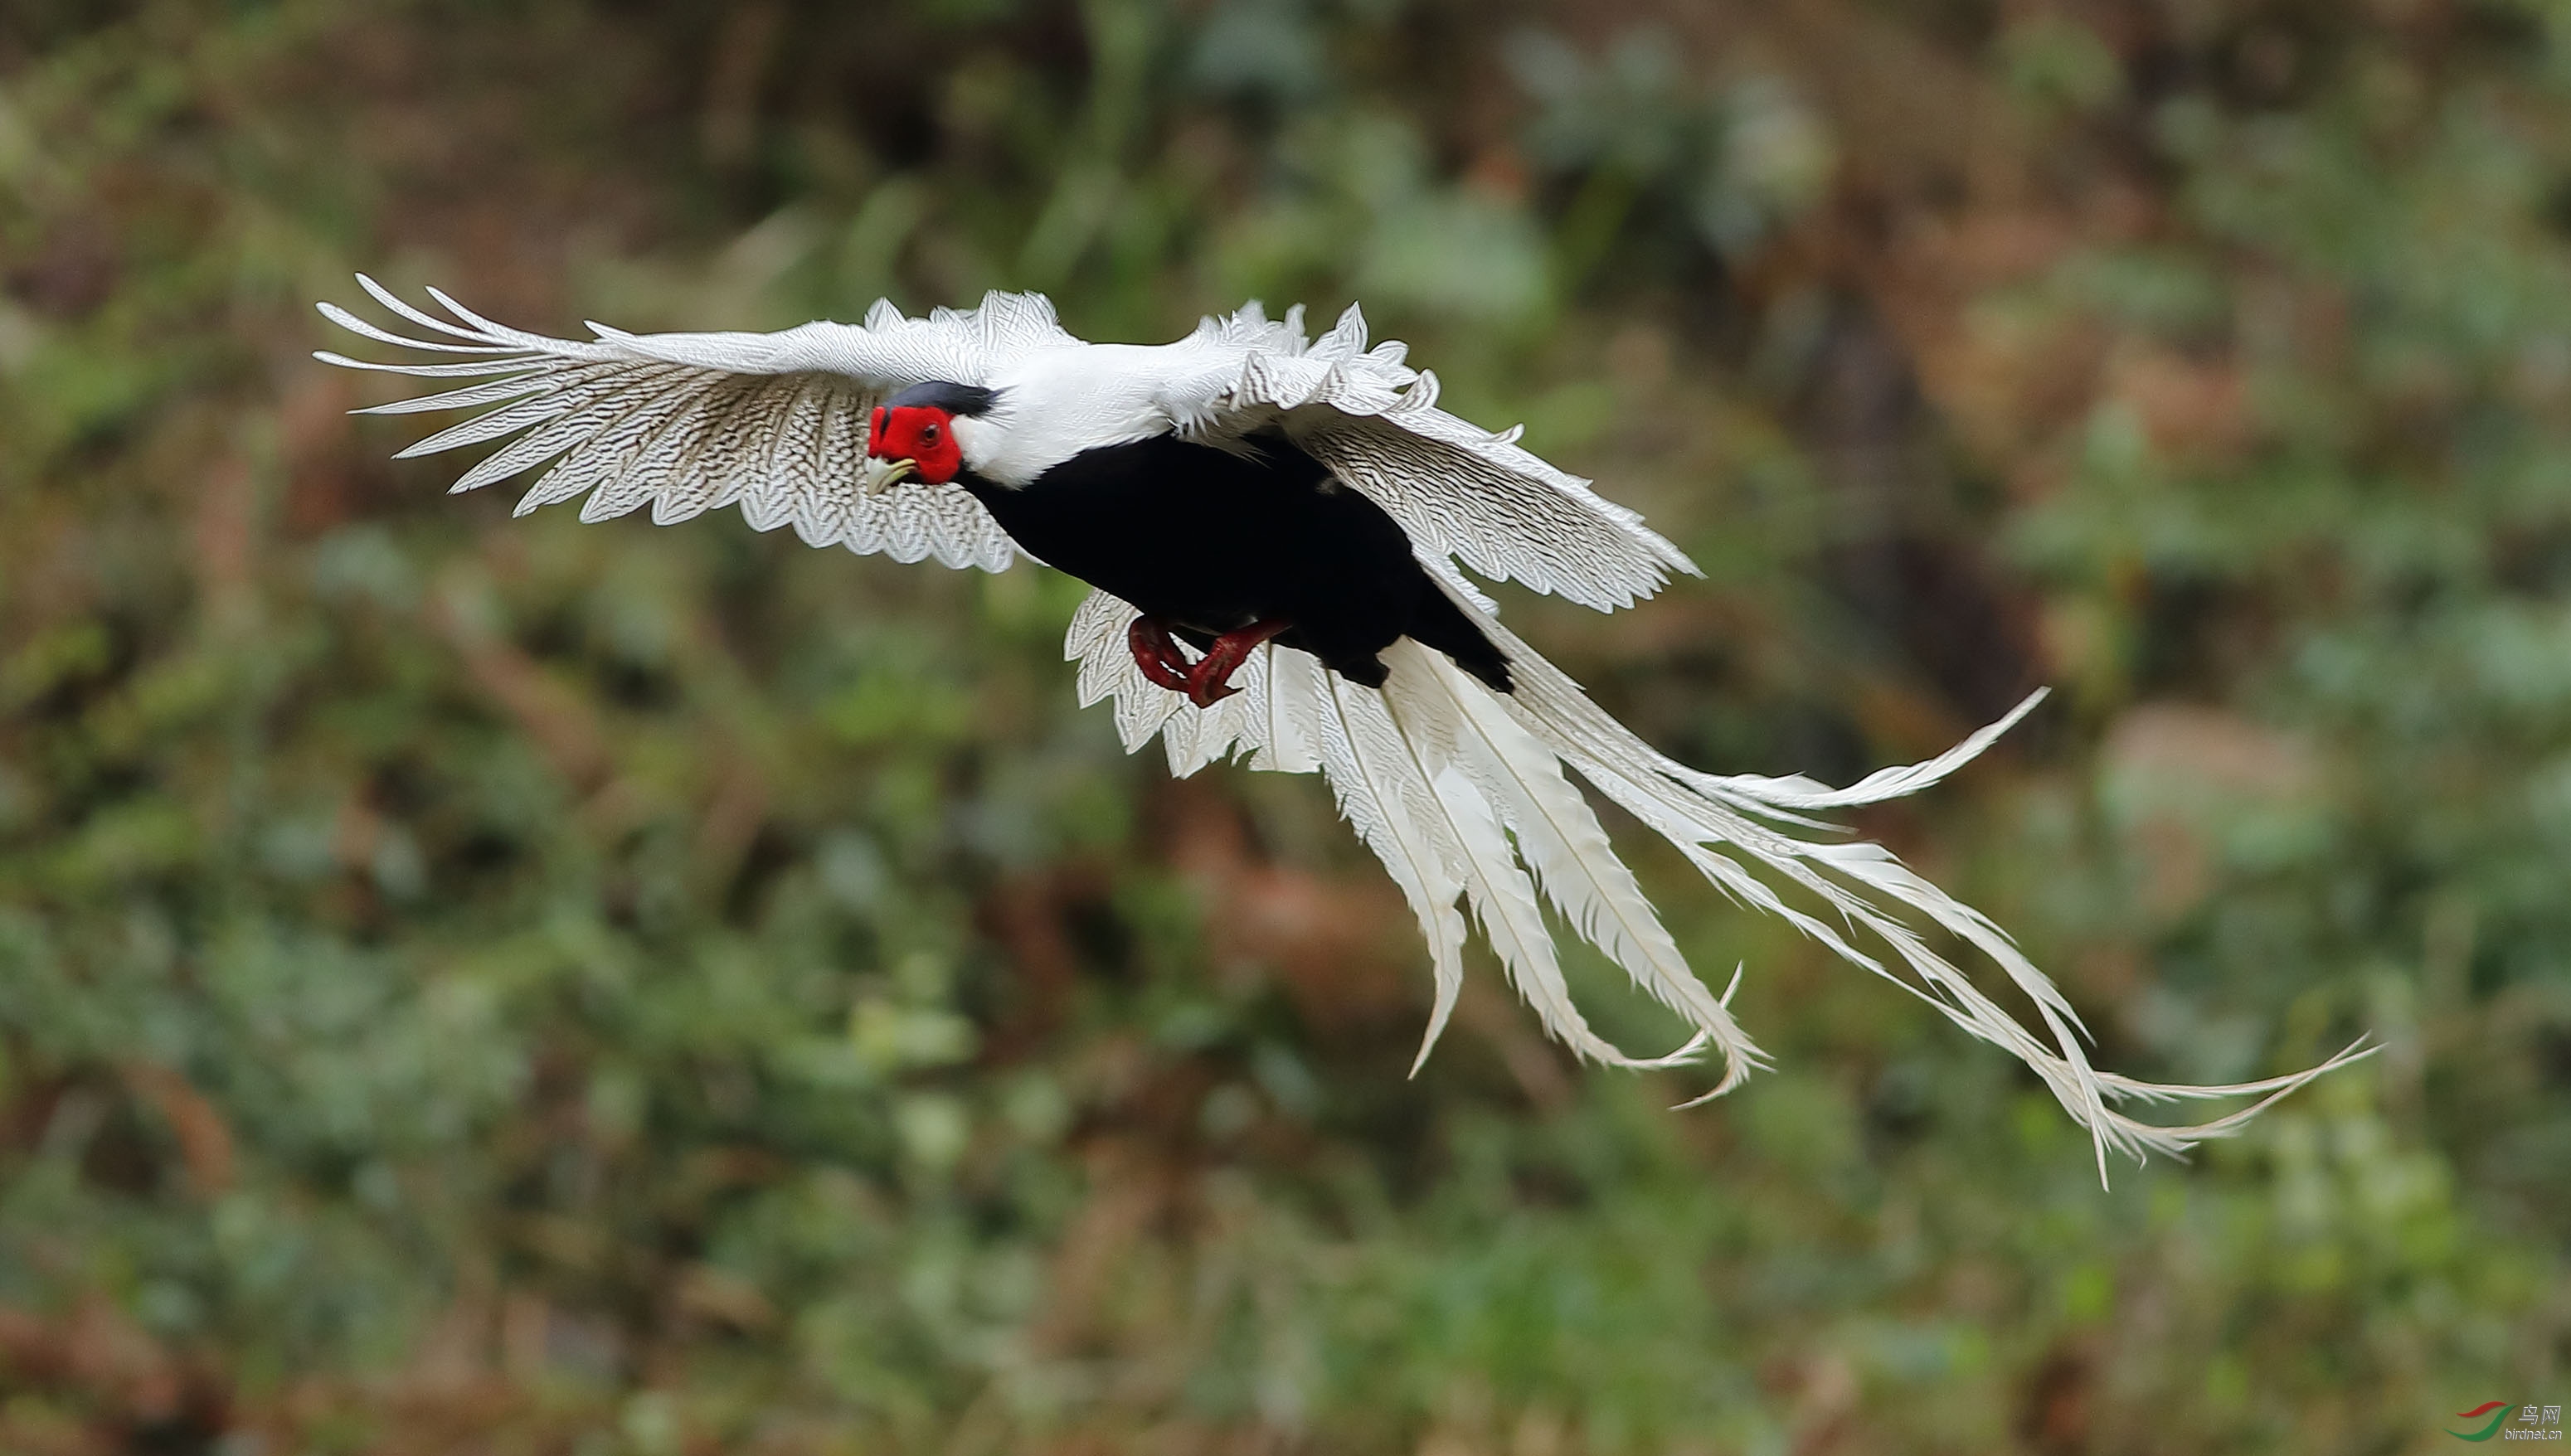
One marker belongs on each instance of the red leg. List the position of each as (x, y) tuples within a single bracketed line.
[(1209, 680), (1157, 653)]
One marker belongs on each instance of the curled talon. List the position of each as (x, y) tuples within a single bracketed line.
[(1158, 653), (1209, 680)]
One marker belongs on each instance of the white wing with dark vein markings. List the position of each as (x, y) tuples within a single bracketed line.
[(1460, 491), (684, 423)]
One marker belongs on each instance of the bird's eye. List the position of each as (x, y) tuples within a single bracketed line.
[(928, 434)]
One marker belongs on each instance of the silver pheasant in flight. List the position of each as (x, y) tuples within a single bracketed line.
[(1277, 531)]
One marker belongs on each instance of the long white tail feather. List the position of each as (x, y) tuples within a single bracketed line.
[(1287, 720), (1499, 775), (1504, 905), (1795, 791), (1397, 818), (1465, 770)]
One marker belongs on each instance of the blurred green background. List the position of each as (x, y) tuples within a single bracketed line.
[(485, 986)]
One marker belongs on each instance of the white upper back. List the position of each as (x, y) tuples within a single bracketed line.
[(1055, 402)]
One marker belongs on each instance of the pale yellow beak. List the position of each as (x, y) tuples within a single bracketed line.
[(883, 475)]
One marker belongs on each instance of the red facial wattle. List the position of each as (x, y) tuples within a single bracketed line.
[(919, 433)]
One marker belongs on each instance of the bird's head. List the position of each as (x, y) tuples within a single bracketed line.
[(919, 428)]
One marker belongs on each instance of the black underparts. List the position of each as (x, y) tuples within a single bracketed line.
[(1210, 540)]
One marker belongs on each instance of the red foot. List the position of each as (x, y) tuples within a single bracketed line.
[(1209, 680), (1157, 654)]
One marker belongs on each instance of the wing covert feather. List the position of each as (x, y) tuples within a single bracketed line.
[(1460, 491)]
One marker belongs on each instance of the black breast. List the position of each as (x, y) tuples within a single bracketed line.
[(1210, 540)]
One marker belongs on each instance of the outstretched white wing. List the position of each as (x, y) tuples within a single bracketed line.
[(1460, 491), (690, 422)]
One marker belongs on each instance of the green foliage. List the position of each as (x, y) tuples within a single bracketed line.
[(473, 984)]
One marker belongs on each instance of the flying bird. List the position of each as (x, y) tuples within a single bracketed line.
[(1276, 530)]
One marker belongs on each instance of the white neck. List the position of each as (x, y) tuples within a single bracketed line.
[(1057, 403)]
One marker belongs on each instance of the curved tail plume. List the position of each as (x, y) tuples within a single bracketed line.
[(1462, 793)]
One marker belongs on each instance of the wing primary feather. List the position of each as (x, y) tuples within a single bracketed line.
[(363, 329), (494, 331), (472, 396), (392, 301), (490, 426), (506, 364)]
